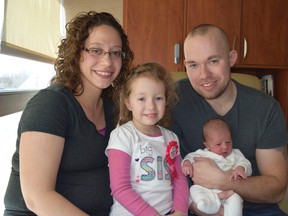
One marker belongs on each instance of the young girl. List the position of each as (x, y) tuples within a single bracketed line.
[(144, 159)]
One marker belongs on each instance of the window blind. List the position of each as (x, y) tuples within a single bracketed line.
[(32, 27)]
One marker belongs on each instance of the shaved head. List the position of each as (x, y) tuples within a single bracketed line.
[(204, 29)]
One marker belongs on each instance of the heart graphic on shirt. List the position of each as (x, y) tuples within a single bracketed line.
[(137, 179), (137, 159)]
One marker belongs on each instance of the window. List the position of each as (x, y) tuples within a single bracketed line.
[(20, 79), (23, 74), (28, 36)]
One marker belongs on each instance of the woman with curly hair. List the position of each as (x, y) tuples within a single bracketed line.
[(59, 166)]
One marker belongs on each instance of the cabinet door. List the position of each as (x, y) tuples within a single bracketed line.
[(265, 28), (153, 28), (225, 14)]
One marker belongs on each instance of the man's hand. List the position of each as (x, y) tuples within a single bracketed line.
[(207, 174)]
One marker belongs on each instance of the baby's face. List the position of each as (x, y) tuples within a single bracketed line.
[(219, 142)]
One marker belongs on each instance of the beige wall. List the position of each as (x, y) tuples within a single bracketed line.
[(115, 7)]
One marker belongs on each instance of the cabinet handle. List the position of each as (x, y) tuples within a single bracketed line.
[(245, 48), (176, 53)]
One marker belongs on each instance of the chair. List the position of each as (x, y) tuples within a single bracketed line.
[(245, 79)]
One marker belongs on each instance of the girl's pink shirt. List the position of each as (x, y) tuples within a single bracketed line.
[(119, 168)]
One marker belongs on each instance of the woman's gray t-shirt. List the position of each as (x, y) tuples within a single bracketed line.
[(83, 176)]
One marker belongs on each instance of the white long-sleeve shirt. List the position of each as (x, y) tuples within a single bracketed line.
[(235, 159)]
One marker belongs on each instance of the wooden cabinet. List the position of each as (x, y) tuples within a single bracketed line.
[(256, 29), (223, 13), (264, 25), (153, 28)]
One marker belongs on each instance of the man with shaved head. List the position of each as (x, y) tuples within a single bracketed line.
[(256, 121)]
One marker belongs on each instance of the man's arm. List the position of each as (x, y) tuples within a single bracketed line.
[(269, 187)]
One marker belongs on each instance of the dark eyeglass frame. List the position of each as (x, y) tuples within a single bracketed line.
[(98, 52)]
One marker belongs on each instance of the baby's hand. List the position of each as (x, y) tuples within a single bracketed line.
[(187, 168), (238, 172)]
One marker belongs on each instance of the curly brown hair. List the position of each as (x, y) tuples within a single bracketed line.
[(154, 71), (69, 51)]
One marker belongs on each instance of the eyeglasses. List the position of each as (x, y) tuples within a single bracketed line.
[(97, 52)]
